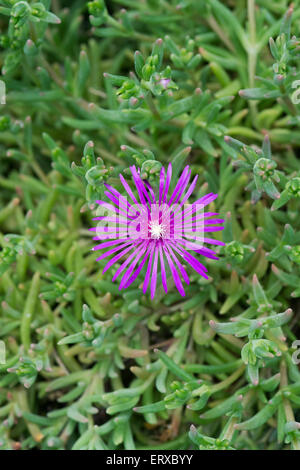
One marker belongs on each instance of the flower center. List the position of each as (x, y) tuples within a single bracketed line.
[(157, 230)]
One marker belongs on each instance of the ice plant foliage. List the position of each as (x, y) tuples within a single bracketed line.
[(157, 230)]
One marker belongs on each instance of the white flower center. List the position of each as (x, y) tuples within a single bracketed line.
[(157, 230)]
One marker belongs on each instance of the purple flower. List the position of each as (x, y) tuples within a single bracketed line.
[(164, 82), (156, 231)]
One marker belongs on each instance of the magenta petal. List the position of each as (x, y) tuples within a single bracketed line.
[(138, 270), (176, 278), (189, 191), (107, 244), (115, 219), (118, 195), (203, 222), (128, 189), (163, 270), (154, 274), (130, 269), (148, 272), (111, 233), (182, 183), (214, 221), (179, 265), (149, 187), (207, 252), (182, 188), (201, 216), (212, 229), (211, 241), (129, 259), (110, 252), (111, 208), (203, 201), (161, 184), (140, 186), (116, 258), (167, 183), (199, 267)]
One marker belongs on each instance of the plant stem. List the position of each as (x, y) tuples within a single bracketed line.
[(252, 54), (29, 311)]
